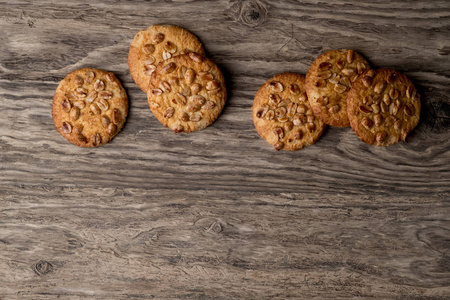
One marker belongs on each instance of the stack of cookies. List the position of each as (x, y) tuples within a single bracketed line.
[(382, 106), (185, 90)]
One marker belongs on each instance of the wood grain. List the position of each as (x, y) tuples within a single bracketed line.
[(217, 214)]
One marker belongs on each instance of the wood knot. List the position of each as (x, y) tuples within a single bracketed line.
[(444, 264), (215, 227), (436, 238), (436, 112), (42, 267), (444, 50), (251, 13)]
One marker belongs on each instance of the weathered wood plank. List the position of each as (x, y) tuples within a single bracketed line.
[(145, 243), (217, 214)]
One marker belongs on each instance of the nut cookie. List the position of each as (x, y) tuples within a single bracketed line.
[(383, 107), (187, 92), (155, 44), (328, 81), (282, 114), (90, 107)]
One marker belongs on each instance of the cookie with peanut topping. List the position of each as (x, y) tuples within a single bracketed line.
[(90, 107), (328, 81), (155, 44), (383, 107), (187, 92), (282, 114)]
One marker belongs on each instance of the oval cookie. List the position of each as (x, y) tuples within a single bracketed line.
[(90, 107), (282, 114), (187, 92), (383, 107), (155, 44), (328, 81)]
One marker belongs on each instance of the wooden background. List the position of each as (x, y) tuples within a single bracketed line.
[(218, 214)]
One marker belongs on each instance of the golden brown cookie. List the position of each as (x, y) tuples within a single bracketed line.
[(90, 107), (383, 107), (282, 114), (155, 44), (328, 81), (187, 92)]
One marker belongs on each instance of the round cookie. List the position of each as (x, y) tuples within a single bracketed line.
[(90, 107), (187, 92), (328, 81), (383, 107), (155, 44), (282, 114)]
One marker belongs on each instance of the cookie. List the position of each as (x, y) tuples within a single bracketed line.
[(155, 44), (383, 107), (328, 81), (187, 92), (282, 114), (90, 107)]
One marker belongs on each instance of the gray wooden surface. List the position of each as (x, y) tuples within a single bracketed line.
[(218, 214)]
